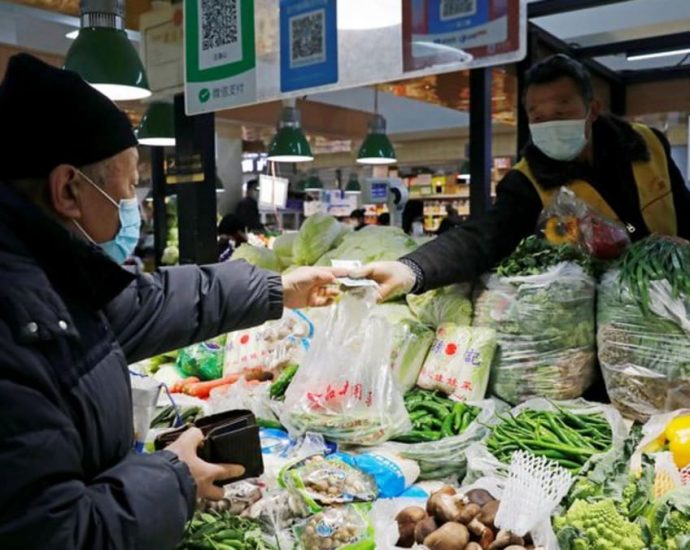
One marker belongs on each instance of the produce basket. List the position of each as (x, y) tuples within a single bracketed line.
[(644, 355), (546, 334)]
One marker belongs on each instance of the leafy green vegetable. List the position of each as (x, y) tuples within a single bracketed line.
[(283, 247), (258, 256), (371, 244), (450, 304), (667, 521), (534, 255), (223, 531), (318, 234)]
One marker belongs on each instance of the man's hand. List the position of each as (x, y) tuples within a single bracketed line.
[(394, 278), (204, 473), (311, 286)]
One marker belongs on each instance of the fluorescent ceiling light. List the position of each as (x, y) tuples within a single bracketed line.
[(369, 14), (638, 57)]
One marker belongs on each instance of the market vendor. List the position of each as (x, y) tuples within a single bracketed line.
[(71, 319), (623, 170)]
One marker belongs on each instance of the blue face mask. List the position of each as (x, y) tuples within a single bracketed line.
[(560, 139), (127, 237)]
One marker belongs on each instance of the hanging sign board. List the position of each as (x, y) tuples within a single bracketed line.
[(442, 32), (308, 44), (273, 191), (220, 57)]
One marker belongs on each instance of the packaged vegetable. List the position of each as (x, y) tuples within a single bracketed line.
[(344, 387), (269, 346), (657, 434), (392, 474), (440, 455), (204, 360), (328, 480), (459, 362), (337, 528), (450, 304), (570, 220), (318, 234), (411, 343), (546, 332), (643, 345), (257, 256), (481, 460)]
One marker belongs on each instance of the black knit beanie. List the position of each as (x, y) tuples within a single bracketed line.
[(51, 116)]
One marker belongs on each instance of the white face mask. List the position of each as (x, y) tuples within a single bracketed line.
[(560, 139)]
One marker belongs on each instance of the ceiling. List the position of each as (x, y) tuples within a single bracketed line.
[(422, 105)]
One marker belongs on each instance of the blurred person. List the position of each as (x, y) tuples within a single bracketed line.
[(247, 210)]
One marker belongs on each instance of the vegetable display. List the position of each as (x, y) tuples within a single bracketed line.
[(544, 315), (434, 416), (597, 526), (223, 531), (167, 417), (337, 528), (449, 304), (258, 256), (643, 333), (567, 438), (318, 234), (280, 384)]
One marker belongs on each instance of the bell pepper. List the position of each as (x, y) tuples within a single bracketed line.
[(678, 427), (680, 449)]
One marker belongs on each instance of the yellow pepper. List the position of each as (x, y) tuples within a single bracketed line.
[(657, 445), (678, 427), (680, 449)]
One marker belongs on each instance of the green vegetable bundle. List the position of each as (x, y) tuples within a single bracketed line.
[(450, 304), (546, 333), (167, 416), (318, 234), (567, 438), (258, 256), (643, 336), (534, 255), (434, 416), (280, 384), (223, 531)]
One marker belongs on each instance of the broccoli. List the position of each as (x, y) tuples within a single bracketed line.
[(597, 526), (668, 521)]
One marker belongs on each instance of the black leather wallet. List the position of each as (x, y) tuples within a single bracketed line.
[(230, 437)]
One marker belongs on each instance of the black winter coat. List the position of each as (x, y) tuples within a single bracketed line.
[(70, 322), (468, 251)]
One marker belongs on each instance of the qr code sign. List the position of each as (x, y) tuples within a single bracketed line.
[(452, 9), (219, 23), (308, 39)]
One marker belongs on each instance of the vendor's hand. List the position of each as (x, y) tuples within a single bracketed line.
[(394, 278), (204, 473), (311, 286)]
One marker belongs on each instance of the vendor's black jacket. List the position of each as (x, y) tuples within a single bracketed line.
[(466, 252), (247, 212), (70, 322)]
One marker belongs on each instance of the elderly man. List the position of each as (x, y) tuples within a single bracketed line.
[(71, 319)]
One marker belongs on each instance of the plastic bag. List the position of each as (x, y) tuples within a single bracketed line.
[(459, 362), (450, 304), (480, 462), (645, 357), (338, 528), (393, 474), (568, 219), (653, 429), (269, 346), (445, 457), (203, 360), (546, 333), (344, 387)]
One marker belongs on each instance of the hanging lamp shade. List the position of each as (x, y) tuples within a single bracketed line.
[(103, 55), (289, 144), (157, 126), (313, 183), (376, 148), (353, 187)]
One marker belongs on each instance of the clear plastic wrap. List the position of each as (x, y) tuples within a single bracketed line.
[(480, 462), (449, 304), (644, 357), (341, 528), (344, 388), (445, 457), (546, 333)]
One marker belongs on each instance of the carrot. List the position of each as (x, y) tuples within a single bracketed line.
[(179, 387), (203, 389)]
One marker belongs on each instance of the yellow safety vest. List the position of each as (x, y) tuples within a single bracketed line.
[(653, 187)]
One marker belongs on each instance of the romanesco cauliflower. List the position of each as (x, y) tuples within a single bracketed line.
[(598, 526)]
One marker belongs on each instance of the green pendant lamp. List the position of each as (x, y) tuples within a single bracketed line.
[(313, 183), (103, 55), (157, 126), (376, 147), (353, 187), (289, 144)]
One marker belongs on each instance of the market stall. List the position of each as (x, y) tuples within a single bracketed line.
[(454, 419)]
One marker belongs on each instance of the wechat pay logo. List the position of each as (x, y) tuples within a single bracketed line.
[(204, 95)]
